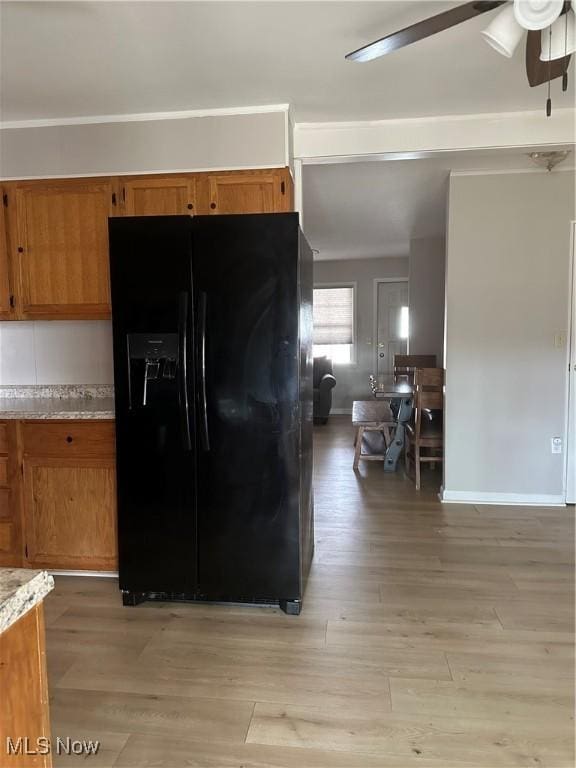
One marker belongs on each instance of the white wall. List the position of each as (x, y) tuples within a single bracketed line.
[(507, 282), (427, 287), (352, 380), (56, 352), (192, 143)]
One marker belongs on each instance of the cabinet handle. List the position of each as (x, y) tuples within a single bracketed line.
[(190, 206), (20, 249), (69, 439), (113, 198), (212, 205)]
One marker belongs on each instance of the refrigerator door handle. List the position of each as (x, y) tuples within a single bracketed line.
[(183, 369), (202, 367)]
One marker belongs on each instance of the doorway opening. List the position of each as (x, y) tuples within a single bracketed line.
[(381, 223)]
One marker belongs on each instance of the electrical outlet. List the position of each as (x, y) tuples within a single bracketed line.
[(560, 340), (556, 444)]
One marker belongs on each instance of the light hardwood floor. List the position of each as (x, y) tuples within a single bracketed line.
[(431, 635)]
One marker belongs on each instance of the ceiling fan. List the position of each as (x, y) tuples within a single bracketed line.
[(551, 38)]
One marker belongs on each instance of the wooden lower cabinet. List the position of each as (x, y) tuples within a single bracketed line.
[(24, 712), (61, 508), (11, 549), (70, 513)]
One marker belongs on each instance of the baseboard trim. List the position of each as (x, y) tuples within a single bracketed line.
[(101, 574), (504, 499)]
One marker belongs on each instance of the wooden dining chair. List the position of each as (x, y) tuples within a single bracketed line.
[(405, 365), (425, 433)]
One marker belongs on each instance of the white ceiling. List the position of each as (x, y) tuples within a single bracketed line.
[(373, 209), (66, 59)]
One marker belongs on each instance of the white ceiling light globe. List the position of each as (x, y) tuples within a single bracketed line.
[(504, 33), (563, 42)]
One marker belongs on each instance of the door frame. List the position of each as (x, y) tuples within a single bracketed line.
[(376, 282), (570, 440)]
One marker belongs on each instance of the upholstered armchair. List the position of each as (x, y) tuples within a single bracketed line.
[(324, 383)]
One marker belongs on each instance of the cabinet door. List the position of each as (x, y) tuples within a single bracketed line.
[(70, 513), (249, 192), (153, 196), (5, 308), (10, 525), (24, 687), (62, 247)]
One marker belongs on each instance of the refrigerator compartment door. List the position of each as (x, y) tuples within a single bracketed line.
[(248, 482), (151, 269)]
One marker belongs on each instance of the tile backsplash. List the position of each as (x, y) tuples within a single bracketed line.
[(56, 352)]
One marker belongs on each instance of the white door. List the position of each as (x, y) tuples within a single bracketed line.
[(571, 447), (391, 324)]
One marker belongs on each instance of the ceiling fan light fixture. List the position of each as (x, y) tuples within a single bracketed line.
[(563, 41), (504, 33), (537, 14)]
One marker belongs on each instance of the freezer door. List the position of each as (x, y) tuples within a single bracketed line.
[(245, 273), (152, 303)]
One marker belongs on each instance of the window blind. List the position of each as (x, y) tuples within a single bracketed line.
[(333, 315)]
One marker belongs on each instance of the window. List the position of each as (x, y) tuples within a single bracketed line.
[(404, 330), (334, 323)]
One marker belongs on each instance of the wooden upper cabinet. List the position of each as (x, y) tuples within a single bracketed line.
[(250, 192), (158, 196), (61, 247), (54, 261), (5, 305)]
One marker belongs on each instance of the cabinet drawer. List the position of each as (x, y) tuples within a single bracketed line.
[(69, 439), (3, 471), (3, 439)]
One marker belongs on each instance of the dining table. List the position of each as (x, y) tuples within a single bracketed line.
[(401, 397)]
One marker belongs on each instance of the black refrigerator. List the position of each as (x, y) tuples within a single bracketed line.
[(212, 325)]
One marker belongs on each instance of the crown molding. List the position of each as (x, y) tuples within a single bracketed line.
[(155, 172), (183, 114)]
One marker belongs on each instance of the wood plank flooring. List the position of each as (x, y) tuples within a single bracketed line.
[(432, 635)]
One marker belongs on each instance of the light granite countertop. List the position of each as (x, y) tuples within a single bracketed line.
[(56, 402), (20, 590)]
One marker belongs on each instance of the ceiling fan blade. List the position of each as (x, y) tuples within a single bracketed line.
[(423, 29), (540, 71)]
